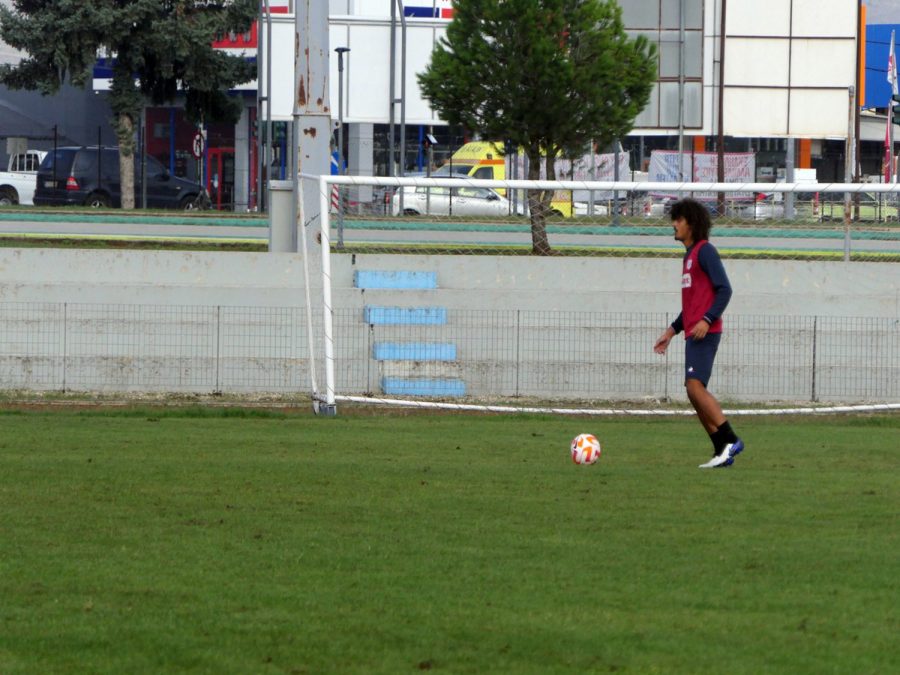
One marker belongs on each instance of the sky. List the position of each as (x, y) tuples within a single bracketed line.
[(877, 11), (882, 11)]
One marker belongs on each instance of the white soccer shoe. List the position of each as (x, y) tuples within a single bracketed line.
[(726, 457), (719, 461)]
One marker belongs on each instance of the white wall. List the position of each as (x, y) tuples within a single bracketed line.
[(151, 277), (788, 64), (366, 67), (233, 322), (761, 287), (788, 67)]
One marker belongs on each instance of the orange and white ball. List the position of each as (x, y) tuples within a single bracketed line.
[(585, 449)]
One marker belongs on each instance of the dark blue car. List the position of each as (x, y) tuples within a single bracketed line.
[(89, 176)]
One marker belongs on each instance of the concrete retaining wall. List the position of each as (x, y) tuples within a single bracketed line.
[(519, 326), (762, 287)]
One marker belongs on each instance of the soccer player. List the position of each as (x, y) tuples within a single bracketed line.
[(705, 292)]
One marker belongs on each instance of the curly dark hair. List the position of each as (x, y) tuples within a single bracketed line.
[(695, 214)]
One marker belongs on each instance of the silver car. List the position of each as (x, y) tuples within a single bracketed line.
[(456, 201)]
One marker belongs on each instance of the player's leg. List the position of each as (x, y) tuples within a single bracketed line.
[(708, 409), (699, 358)]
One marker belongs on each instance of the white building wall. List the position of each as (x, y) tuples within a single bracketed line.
[(789, 66)]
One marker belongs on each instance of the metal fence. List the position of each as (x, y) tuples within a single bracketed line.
[(756, 220), (584, 355), (470, 354), (137, 348)]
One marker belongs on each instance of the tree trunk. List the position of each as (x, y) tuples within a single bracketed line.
[(538, 205), (125, 134)]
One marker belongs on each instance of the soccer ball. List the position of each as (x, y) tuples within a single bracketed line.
[(585, 449)]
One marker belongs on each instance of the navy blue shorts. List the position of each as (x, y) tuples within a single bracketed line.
[(699, 356)]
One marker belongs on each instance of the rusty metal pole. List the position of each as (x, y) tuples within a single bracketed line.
[(848, 171), (312, 114), (311, 145)]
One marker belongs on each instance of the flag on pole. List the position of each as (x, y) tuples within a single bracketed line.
[(888, 136), (886, 163)]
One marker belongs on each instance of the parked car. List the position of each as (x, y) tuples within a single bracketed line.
[(457, 201), (18, 181), (763, 207), (89, 176), (657, 206)]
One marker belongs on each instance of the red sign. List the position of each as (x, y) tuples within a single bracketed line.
[(197, 145)]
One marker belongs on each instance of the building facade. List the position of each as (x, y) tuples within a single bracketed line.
[(766, 75)]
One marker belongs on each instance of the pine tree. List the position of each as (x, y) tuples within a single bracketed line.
[(160, 49), (547, 76)]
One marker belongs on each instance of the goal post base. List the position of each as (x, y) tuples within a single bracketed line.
[(325, 409)]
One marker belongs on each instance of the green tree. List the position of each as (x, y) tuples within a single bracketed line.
[(160, 49), (547, 76)]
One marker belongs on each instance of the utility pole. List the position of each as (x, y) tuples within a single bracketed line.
[(789, 175), (312, 110), (848, 169), (340, 134), (680, 93), (720, 112), (311, 148)]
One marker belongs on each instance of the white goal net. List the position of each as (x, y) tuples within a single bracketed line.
[(420, 309)]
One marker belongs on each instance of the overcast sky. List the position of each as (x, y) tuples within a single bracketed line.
[(878, 11), (882, 11)]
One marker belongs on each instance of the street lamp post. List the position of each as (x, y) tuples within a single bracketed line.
[(340, 52)]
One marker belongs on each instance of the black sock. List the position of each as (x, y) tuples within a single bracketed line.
[(726, 434), (718, 440)]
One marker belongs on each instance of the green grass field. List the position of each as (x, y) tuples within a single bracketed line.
[(234, 541)]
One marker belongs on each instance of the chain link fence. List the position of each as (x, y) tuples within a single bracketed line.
[(458, 354), (152, 348), (556, 355), (808, 221)]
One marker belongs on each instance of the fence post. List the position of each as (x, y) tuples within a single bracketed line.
[(518, 347), (666, 371), (814, 344), (218, 389), (370, 359), (65, 346)]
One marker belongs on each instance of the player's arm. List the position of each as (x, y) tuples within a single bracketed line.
[(711, 264), (662, 342)]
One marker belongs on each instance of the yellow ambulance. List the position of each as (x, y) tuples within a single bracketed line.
[(483, 160)]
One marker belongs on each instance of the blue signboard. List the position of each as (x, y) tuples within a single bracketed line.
[(878, 44)]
